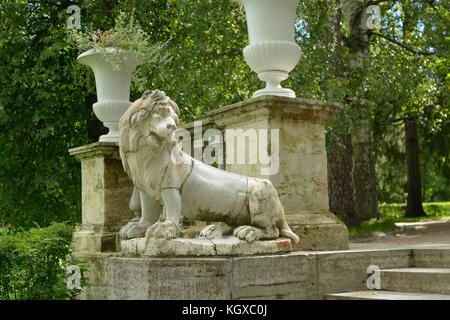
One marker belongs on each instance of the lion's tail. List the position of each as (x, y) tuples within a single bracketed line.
[(288, 233), (286, 230)]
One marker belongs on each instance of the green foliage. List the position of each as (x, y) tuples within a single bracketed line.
[(411, 82), (205, 39), (46, 97), (126, 35), (406, 76), (433, 209), (32, 263), (393, 213), (43, 114)]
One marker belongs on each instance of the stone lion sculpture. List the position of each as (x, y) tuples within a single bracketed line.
[(172, 185)]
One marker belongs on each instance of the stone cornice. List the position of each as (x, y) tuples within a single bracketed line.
[(97, 149)]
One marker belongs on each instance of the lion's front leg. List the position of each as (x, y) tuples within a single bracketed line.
[(136, 208), (168, 229), (151, 212)]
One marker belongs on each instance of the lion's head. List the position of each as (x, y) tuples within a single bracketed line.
[(152, 117)]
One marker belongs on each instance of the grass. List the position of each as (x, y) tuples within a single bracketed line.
[(392, 213)]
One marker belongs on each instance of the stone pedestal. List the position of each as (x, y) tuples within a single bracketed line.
[(301, 180), (106, 191), (296, 275)]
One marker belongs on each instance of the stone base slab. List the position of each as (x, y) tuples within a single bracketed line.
[(318, 231), (202, 247), (85, 241), (295, 275)]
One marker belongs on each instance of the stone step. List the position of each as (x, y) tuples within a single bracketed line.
[(421, 280), (385, 295), (437, 257)]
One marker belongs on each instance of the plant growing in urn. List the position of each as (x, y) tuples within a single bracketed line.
[(114, 55)]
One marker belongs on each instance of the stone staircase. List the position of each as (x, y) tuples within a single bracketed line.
[(405, 284), (386, 295)]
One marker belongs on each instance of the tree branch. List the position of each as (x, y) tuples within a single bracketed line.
[(437, 7), (375, 2), (403, 45)]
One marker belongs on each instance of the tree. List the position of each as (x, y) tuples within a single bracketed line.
[(414, 206), (42, 115), (46, 97), (340, 149), (357, 43), (383, 76), (419, 34)]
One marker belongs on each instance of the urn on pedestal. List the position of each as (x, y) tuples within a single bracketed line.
[(112, 81), (272, 52)]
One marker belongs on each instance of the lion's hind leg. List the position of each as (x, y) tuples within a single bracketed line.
[(251, 234), (266, 211)]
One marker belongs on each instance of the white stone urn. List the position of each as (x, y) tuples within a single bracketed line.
[(272, 52), (113, 86)]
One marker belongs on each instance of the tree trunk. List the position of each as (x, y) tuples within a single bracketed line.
[(414, 206), (339, 145), (340, 179), (364, 156), (364, 174)]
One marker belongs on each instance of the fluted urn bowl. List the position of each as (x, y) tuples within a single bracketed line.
[(272, 52), (112, 84), (272, 61)]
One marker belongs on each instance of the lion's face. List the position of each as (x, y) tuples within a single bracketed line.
[(163, 122), (151, 119)]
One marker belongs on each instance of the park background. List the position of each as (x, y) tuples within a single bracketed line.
[(388, 150)]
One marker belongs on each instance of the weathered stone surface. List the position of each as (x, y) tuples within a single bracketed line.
[(347, 271), (96, 273), (301, 181), (233, 246), (431, 258), (422, 280), (169, 248), (318, 231), (202, 247), (296, 275), (87, 239), (292, 276), (385, 295), (105, 191), (302, 177), (153, 278)]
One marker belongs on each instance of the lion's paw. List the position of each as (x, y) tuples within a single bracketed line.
[(214, 231), (210, 232), (162, 230), (248, 233), (123, 232), (135, 230)]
